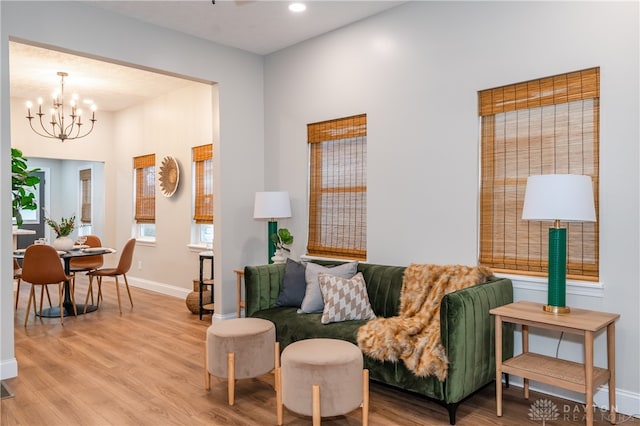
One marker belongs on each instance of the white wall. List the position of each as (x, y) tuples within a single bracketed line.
[(169, 125), (239, 93), (415, 71)]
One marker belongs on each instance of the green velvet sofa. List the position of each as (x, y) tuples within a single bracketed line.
[(467, 328)]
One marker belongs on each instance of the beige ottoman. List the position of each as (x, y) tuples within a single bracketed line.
[(240, 348), (322, 378)]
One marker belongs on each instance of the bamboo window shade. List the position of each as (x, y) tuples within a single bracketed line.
[(203, 163), (85, 195), (545, 126), (338, 188), (145, 175)]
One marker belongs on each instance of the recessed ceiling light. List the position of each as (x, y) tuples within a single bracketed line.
[(297, 7)]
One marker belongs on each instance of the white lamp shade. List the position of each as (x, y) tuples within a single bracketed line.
[(272, 205), (568, 198)]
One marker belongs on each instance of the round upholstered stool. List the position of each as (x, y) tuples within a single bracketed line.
[(322, 378), (240, 348)]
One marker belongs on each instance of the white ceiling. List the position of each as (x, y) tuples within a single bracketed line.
[(257, 26)]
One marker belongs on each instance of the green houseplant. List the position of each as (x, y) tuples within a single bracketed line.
[(23, 184), (282, 239)]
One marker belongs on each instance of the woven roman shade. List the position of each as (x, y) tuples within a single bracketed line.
[(203, 166), (545, 126), (85, 194), (338, 188), (145, 175)]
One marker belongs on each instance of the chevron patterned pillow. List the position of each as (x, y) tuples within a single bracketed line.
[(344, 298)]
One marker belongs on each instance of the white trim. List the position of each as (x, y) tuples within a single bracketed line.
[(309, 258), (580, 288), (8, 368), (169, 290), (145, 242), (218, 318), (198, 247)]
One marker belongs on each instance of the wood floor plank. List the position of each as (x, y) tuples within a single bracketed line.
[(146, 368)]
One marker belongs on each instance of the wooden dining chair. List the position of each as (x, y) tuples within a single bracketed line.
[(124, 264), (87, 263), (17, 275), (42, 266)]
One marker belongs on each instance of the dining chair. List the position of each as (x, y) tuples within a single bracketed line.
[(42, 266), (87, 263), (17, 275), (124, 264)]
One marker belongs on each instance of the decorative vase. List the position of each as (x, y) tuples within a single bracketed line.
[(63, 243), (193, 300), (280, 256)]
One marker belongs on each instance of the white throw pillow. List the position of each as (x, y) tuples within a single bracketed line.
[(312, 301), (344, 299)]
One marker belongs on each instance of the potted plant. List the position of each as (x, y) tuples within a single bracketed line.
[(23, 185), (62, 230), (282, 239)]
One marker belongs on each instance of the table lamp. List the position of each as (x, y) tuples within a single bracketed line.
[(556, 198), (272, 205)]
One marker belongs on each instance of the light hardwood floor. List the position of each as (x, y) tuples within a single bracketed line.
[(146, 368)]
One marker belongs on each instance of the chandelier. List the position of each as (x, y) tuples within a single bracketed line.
[(59, 126)]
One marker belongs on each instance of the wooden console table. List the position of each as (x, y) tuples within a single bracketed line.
[(583, 378)]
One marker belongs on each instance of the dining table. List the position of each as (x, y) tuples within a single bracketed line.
[(67, 304)]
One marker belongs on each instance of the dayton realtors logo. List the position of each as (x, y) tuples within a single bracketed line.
[(543, 410)]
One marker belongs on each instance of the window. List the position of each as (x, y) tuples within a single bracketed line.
[(537, 127), (145, 196), (85, 201), (338, 188), (203, 194)]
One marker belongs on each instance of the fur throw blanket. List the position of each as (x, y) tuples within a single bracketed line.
[(414, 335)]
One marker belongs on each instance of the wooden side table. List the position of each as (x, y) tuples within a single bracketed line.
[(239, 277), (583, 378)]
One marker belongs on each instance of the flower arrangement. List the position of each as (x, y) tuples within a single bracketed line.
[(64, 228)]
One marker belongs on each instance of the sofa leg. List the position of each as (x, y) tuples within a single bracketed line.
[(451, 408), (506, 380)]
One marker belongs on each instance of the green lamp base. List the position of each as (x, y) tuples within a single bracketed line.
[(272, 229), (557, 293)]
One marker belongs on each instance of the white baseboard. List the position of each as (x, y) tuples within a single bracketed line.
[(169, 290), (627, 403), (174, 291), (8, 368)]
